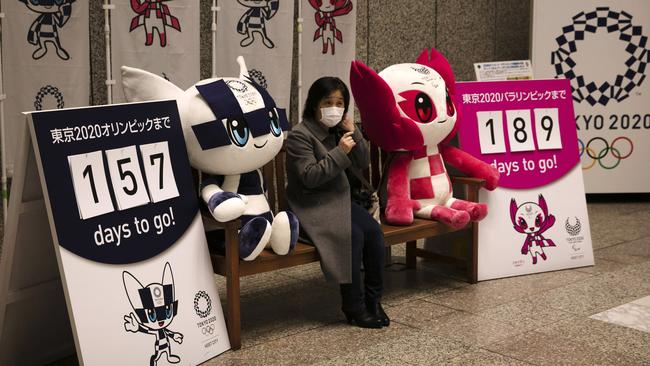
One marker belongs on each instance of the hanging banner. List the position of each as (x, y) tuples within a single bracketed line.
[(537, 218), (46, 60), (328, 42), (155, 35), (262, 32), (128, 235), (604, 52)]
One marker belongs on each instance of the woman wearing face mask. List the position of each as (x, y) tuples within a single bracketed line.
[(319, 150)]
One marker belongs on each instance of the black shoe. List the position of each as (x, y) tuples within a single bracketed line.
[(379, 313), (363, 319)]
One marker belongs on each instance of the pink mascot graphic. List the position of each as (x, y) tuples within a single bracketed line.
[(532, 219), (409, 109), (326, 11), (153, 15)]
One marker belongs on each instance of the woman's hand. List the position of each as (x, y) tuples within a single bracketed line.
[(347, 123), (347, 142)]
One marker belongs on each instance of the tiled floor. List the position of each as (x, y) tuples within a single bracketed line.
[(558, 318)]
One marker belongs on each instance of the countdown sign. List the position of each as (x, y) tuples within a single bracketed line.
[(537, 218), (127, 234)]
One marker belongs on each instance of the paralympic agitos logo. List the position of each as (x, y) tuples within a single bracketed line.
[(632, 73)]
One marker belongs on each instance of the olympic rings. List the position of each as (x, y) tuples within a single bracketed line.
[(606, 150), (208, 330)]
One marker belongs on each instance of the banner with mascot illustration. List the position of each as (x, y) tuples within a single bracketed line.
[(537, 218), (262, 32), (329, 35), (46, 60), (156, 35), (603, 50)]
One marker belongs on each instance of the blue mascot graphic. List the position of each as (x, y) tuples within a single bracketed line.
[(155, 307), (53, 14), (254, 20), (232, 128)]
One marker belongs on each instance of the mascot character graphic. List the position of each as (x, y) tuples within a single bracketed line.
[(254, 20), (532, 219), (326, 11), (232, 128), (53, 15), (410, 109), (155, 307), (153, 15)]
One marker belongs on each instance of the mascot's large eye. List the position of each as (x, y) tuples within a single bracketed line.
[(450, 105), (151, 314), (539, 220), (238, 131), (169, 311), (275, 123), (418, 106), (522, 222)]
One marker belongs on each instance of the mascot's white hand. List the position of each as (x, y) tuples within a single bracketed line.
[(178, 338), (243, 198), (131, 323), (226, 206)]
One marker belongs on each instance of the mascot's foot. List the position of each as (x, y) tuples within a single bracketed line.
[(40, 52), (253, 238), (247, 41), (63, 54), (285, 232), (476, 211), (450, 217), (267, 42), (173, 359)]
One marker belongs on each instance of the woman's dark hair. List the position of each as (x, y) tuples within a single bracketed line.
[(320, 89)]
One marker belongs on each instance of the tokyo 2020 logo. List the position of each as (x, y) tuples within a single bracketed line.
[(632, 73)]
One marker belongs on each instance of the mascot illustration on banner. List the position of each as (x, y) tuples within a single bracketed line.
[(153, 15), (155, 307), (254, 20), (326, 11), (232, 128), (54, 14), (409, 109), (532, 219)]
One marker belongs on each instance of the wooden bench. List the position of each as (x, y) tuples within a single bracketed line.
[(230, 266)]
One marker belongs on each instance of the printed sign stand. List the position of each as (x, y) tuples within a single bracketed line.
[(128, 238), (32, 304), (537, 218)]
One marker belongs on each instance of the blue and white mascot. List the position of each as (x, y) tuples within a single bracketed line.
[(232, 128)]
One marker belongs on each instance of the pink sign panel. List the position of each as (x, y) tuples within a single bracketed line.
[(526, 129)]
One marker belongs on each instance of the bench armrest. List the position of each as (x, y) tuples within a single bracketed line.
[(473, 182)]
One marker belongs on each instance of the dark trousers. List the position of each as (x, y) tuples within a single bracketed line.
[(367, 247)]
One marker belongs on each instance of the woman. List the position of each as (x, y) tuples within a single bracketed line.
[(319, 150)]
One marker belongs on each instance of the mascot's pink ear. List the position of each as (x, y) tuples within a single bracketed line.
[(381, 120), (513, 210), (542, 203), (438, 62)]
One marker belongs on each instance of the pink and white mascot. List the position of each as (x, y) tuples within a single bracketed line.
[(410, 109)]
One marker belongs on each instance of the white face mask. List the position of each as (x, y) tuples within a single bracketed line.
[(331, 116)]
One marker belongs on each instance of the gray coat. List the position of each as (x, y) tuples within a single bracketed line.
[(318, 192)]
